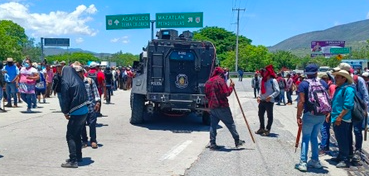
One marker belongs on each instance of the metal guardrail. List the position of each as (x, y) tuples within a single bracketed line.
[(244, 73)]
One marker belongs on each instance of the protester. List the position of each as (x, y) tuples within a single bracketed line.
[(93, 98), (49, 80), (289, 89), (311, 120), (255, 84), (40, 85), (129, 78), (99, 78), (362, 92), (56, 87), (343, 103), (240, 74), (74, 107), (11, 74), (269, 91), (217, 91), (108, 83), (27, 82), (325, 130), (282, 87)]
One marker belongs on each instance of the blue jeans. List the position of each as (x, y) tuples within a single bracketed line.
[(289, 96), (11, 92), (60, 99), (343, 139), (28, 99), (310, 128), (1, 95), (324, 131), (256, 89), (34, 100), (282, 97)]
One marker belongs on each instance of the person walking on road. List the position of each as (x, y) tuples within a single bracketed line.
[(109, 84), (289, 89), (240, 74), (269, 91), (11, 74), (27, 82), (255, 84), (312, 118), (74, 108), (49, 80), (217, 91)]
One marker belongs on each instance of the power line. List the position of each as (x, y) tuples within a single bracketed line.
[(238, 28)]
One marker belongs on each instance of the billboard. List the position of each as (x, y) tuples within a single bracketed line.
[(319, 48)]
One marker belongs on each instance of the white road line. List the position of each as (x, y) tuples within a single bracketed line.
[(175, 151)]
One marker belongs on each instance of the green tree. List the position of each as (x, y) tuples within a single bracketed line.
[(222, 39), (12, 39), (123, 59)]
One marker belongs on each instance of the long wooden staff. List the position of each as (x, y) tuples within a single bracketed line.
[(366, 128), (244, 117), (298, 138)]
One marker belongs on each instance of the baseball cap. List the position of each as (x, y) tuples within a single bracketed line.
[(311, 69)]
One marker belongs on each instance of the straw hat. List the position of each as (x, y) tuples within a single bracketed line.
[(345, 74)]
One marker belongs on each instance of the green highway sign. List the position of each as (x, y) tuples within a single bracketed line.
[(179, 20), (340, 50), (132, 21)]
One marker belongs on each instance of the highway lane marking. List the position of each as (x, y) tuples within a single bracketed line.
[(171, 154)]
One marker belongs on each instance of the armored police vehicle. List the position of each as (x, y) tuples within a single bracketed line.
[(170, 76)]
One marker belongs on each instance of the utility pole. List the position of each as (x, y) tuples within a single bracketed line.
[(238, 28)]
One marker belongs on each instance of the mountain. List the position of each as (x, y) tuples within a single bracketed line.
[(353, 33), (56, 50)]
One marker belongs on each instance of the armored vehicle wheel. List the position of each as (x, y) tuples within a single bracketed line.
[(206, 118), (138, 105)]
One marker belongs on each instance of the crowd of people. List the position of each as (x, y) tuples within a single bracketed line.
[(79, 89), (323, 100)]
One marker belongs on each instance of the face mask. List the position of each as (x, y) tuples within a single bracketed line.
[(26, 65), (10, 63)]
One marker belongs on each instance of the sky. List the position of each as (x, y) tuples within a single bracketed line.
[(265, 22)]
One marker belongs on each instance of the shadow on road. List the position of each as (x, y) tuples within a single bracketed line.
[(86, 161), (1, 156), (32, 112), (98, 125), (229, 149), (179, 124)]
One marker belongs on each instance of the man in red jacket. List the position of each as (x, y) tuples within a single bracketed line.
[(217, 91)]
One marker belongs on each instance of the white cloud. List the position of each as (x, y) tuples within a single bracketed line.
[(52, 24), (114, 40), (79, 40), (123, 39)]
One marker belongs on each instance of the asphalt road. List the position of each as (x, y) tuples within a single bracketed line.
[(34, 144)]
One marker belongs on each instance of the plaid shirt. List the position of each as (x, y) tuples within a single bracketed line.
[(92, 93), (217, 91)]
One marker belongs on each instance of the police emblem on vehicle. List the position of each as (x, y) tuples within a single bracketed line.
[(182, 81)]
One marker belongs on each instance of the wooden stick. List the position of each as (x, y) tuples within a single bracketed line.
[(244, 117), (298, 138)]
